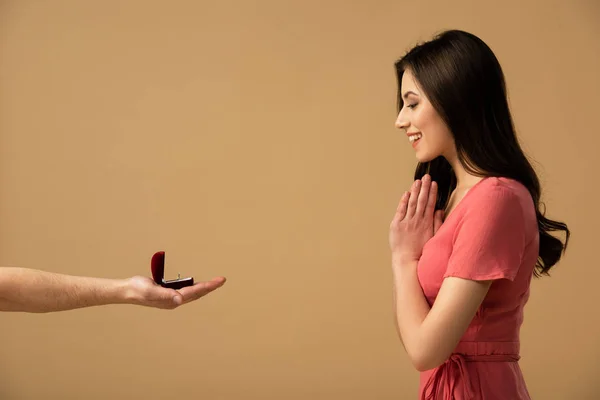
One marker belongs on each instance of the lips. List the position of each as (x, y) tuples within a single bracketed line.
[(414, 139)]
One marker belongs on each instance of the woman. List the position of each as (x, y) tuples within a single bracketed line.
[(470, 234)]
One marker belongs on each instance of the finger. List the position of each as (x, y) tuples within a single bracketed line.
[(200, 289), (430, 209), (438, 220), (401, 210), (412, 201), (422, 200)]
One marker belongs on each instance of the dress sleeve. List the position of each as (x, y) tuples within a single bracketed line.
[(489, 242)]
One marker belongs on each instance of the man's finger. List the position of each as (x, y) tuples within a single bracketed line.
[(191, 293)]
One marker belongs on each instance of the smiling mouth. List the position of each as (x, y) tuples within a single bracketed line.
[(415, 137)]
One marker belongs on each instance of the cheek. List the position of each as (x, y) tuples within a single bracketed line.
[(424, 119), (424, 123), (436, 137), (433, 127)]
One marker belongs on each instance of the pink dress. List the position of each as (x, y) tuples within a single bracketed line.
[(492, 234)]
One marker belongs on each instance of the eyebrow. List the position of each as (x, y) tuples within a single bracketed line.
[(409, 93)]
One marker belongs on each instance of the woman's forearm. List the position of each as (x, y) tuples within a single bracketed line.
[(410, 309), (30, 290)]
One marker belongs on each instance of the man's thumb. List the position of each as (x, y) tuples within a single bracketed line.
[(178, 299)]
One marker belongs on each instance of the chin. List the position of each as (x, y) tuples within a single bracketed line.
[(423, 158)]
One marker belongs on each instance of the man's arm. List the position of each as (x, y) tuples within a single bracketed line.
[(35, 291)]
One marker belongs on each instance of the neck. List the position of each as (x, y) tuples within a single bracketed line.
[(464, 179)]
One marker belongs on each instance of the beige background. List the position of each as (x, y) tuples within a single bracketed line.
[(255, 140)]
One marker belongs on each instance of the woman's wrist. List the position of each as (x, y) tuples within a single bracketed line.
[(400, 262), (404, 269)]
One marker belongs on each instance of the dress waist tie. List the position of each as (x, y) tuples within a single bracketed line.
[(444, 379)]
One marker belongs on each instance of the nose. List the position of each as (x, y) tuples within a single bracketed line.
[(401, 121)]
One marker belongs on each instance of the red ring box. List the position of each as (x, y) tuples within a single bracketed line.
[(158, 273)]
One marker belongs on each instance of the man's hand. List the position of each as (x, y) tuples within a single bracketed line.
[(144, 291)]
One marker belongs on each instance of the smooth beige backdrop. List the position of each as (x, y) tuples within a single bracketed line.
[(256, 140)]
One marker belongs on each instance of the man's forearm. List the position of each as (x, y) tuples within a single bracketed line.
[(30, 290)]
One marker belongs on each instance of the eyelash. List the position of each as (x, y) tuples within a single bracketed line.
[(412, 105)]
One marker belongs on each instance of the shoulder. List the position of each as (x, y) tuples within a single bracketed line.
[(501, 192), (504, 203), (501, 185), (492, 234)]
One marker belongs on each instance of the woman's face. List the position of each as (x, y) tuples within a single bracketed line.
[(426, 131)]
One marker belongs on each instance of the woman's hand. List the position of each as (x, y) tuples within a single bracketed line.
[(415, 222)]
